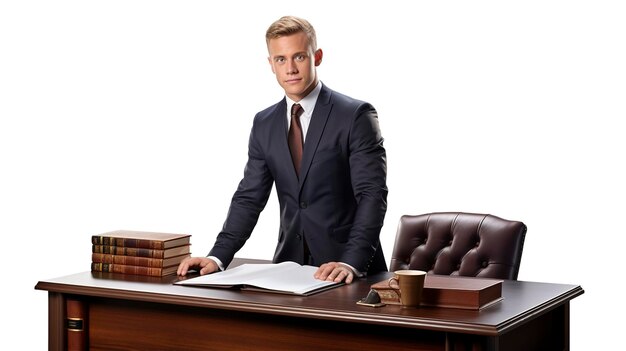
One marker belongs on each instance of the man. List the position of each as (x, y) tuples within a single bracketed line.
[(333, 194)]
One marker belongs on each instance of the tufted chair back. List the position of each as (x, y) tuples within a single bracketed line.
[(458, 243)]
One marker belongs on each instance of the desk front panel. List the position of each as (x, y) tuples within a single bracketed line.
[(131, 325)]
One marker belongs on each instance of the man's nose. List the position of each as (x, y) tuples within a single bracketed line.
[(291, 67)]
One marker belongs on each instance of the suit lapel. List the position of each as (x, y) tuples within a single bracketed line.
[(316, 129)]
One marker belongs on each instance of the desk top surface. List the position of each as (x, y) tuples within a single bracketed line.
[(521, 300)]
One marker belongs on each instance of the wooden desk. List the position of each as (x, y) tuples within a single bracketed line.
[(129, 312)]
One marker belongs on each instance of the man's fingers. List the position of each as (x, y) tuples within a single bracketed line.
[(209, 267), (195, 262), (324, 271), (337, 275), (183, 267), (348, 276), (340, 274), (206, 270), (333, 271)]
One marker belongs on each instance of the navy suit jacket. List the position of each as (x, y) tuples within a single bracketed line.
[(339, 202)]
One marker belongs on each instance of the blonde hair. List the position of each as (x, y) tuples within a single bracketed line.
[(288, 25)]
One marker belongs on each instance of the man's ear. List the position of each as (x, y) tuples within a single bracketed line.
[(269, 60), (318, 57)]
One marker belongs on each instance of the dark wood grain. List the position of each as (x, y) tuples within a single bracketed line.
[(124, 306)]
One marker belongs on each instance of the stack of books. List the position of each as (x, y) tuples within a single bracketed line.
[(140, 253)]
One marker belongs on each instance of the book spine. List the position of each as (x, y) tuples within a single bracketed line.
[(76, 325), (126, 269), (127, 242), (127, 260), (127, 251)]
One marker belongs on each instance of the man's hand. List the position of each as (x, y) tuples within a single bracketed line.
[(334, 271), (204, 264)]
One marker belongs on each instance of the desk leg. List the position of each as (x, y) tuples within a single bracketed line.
[(566, 327), (56, 318), (549, 331)]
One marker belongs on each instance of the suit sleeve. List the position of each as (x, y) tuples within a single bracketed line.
[(368, 172), (247, 203)]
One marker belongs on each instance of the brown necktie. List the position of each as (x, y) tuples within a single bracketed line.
[(295, 139)]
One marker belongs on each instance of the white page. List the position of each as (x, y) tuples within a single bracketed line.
[(285, 276)]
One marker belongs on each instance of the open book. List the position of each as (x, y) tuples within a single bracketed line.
[(286, 277)]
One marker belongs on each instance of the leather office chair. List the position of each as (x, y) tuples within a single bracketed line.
[(458, 243)]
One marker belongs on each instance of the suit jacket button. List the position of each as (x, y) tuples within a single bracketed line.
[(303, 204)]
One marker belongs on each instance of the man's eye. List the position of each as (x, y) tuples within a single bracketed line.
[(300, 58), (279, 60)]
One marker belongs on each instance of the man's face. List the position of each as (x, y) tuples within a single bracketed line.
[(294, 64)]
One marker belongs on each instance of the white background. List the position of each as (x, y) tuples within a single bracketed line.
[(135, 115)]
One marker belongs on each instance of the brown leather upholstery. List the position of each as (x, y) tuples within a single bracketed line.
[(458, 243)]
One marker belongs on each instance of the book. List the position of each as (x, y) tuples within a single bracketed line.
[(76, 324), (140, 252), (449, 291), (137, 270), (137, 260), (139, 239), (285, 278)]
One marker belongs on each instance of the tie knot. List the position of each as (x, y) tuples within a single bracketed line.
[(296, 110)]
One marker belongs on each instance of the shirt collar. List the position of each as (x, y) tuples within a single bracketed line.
[(308, 102)]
